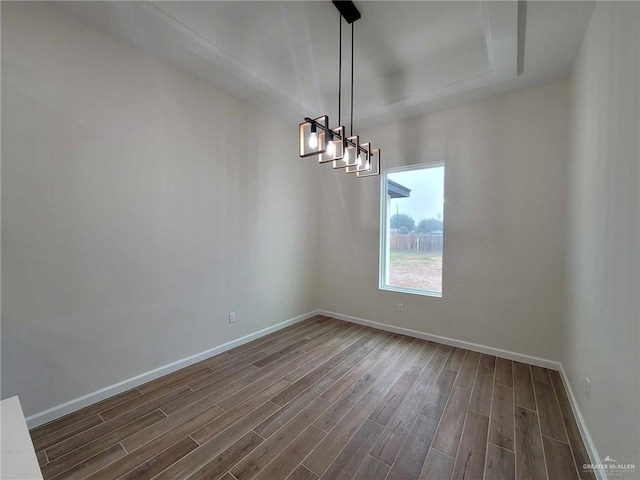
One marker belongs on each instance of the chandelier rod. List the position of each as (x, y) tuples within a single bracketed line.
[(340, 70), (352, 40)]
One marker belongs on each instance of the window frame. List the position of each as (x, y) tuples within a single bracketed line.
[(385, 231)]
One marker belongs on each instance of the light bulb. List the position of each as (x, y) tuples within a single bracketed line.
[(331, 148), (368, 165), (359, 160), (346, 156), (313, 140)]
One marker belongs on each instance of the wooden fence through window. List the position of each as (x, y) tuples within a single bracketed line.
[(416, 242)]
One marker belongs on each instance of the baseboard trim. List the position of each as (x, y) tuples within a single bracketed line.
[(594, 457), (475, 347), (518, 357), (71, 406)]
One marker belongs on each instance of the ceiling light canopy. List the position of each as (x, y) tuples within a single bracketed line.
[(333, 145)]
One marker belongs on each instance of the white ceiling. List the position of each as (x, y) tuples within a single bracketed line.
[(410, 57)]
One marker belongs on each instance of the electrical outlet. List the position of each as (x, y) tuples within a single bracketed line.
[(232, 317), (587, 387), (400, 307)]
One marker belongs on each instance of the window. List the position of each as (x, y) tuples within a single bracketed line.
[(412, 229)]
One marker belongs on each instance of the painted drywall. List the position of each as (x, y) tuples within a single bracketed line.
[(505, 161), (139, 207), (601, 337)]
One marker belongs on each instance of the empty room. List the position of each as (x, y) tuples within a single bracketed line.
[(303, 240)]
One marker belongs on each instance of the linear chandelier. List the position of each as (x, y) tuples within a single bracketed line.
[(332, 145)]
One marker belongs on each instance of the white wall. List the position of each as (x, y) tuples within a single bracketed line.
[(505, 161), (600, 333), (139, 206)]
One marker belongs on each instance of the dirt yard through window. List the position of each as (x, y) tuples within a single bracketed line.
[(422, 270)]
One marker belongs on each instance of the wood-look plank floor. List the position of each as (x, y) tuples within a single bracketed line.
[(326, 399)]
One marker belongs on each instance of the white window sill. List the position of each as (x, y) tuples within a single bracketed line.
[(410, 291)]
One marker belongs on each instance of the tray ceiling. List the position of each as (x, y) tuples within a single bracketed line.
[(410, 57)]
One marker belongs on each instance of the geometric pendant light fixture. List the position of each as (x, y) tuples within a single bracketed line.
[(332, 144)]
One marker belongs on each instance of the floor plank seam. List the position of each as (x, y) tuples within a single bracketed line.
[(525, 408), (419, 409), (320, 428), (75, 450), (473, 385), (60, 475), (380, 460), (440, 451), (504, 385), (535, 398), (283, 449), (237, 420), (554, 439), (493, 388), (500, 447), (566, 431), (377, 423), (336, 426), (476, 411), (310, 468), (515, 438), (513, 380), (466, 414), (197, 442), (429, 384)]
